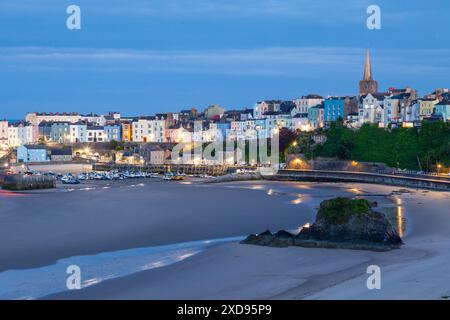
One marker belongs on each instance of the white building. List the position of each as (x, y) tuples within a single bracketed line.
[(260, 108), (78, 132), (3, 134), (98, 120), (237, 130), (392, 112), (149, 129), (20, 134), (237, 126), (275, 121), (96, 134), (303, 104), (37, 117), (411, 113), (300, 122), (371, 109)]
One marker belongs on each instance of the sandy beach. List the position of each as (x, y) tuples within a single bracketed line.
[(41, 229)]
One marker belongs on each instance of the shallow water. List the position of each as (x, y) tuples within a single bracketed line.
[(39, 282), (138, 213)]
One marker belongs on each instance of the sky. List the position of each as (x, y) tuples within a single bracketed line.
[(146, 56)]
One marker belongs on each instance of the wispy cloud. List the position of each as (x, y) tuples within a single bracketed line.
[(264, 61), (288, 61)]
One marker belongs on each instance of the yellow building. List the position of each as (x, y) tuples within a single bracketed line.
[(427, 107), (127, 131)]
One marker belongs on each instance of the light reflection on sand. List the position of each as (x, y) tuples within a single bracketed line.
[(355, 190), (400, 218), (40, 282)]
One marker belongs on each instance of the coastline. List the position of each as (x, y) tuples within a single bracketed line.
[(96, 217), (233, 271), (230, 271)]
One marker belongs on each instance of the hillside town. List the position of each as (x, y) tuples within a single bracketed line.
[(39, 137)]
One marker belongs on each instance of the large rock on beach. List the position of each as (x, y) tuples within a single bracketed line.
[(340, 223)]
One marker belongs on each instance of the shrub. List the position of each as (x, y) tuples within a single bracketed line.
[(340, 210)]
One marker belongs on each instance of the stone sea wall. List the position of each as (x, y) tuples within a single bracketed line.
[(359, 177), (342, 176), (19, 182)]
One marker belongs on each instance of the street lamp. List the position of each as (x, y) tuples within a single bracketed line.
[(439, 166)]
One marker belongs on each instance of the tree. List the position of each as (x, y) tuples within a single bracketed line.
[(408, 148)]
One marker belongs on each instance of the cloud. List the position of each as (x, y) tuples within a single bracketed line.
[(268, 61), (298, 62)]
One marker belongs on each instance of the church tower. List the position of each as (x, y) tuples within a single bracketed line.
[(368, 85)]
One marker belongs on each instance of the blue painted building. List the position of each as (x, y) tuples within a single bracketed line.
[(316, 116), (339, 107), (113, 132), (443, 109), (334, 108), (223, 127), (32, 153)]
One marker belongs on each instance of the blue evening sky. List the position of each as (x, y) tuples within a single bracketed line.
[(147, 56)]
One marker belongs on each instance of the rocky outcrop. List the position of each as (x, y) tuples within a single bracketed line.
[(235, 177), (340, 223), (280, 239)]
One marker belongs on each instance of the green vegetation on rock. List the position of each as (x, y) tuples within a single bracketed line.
[(340, 210)]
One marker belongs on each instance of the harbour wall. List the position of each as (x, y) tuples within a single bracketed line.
[(19, 182), (213, 170), (361, 177), (342, 176)]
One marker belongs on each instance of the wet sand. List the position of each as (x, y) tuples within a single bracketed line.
[(133, 215), (36, 229)]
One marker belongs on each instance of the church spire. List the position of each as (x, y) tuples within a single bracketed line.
[(368, 85), (368, 67)]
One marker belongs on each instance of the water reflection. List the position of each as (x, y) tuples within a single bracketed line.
[(400, 219), (355, 190), (396, 215)]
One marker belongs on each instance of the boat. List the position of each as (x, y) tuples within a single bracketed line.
[(69, 180), (172, 177), (168, 176)]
